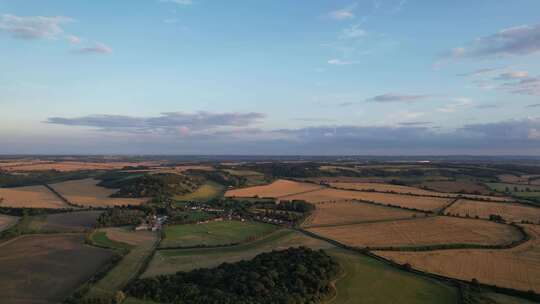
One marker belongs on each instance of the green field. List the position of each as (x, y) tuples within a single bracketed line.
[(214, 233), (204, 193), (127, 268), (171, 261), (369, 281), (100, 239), (517, 190)]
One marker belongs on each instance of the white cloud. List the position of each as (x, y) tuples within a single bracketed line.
[(457, 104), (73, 39), (34, 27), (392, 97), (180, 2), (353, 32), (513, 75), (98, 48), (337, 61), (344, 13)]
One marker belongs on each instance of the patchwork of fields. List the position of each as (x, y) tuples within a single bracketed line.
[(278, 189), (421, 232), (509, 211), (518, 267), (85, 192), (30, 197)]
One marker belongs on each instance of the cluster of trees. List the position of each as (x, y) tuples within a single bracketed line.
[(296, 206), (295, 275), (221, 177), (149, 185), (120, 217)]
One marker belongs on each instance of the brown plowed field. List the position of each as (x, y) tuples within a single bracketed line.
[(347, 212), (277, 189), (509, 211), (421, 232), (46, 268), (30, 197), (517, 268), (85, 192), (407, 201)]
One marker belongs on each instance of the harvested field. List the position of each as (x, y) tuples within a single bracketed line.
[(85, 192), (386, 188), (277, 189), (509, 211), (47, 268), (406, 201), (70, 221), (421, 232), (204, 193), (66, 166), (30, 197), (375, 282), (7, 221), (214, 233), (171, 261), (349, 212), (463, 186), (517, 268)]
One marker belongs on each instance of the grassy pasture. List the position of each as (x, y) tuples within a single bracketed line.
[(214, 233), (369, 281), (204, 193), (140, 243), (171, 261), (421, 232), (517, 268), (47, 268)]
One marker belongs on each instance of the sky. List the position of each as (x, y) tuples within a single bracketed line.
[(270, 77)]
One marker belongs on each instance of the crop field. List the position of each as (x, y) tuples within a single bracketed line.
[(85, 192), (502, 187), (517, 268), (386, 188), (204, 193), (349, 212), (30, 197), (509, 211), (421, 232), (253, 178), (141, 243), (377, 283), (7, 221), (277, 189), (407, 201), (457, 186), (34, 269), (78, 221), (171, 261), (66, 166), (214, 233)]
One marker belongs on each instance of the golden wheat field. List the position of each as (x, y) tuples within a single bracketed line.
[(30, 197), (85, 192), (347, 212), (407, 201), (277, 189), (517, 268), (421, 232), (509, 211)]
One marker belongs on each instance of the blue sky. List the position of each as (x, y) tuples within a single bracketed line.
[(270, 77)]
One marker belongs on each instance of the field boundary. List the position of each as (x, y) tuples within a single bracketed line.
[(61, 197)]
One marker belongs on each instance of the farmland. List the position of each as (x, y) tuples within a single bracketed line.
[(78, 221), (421, 232), (277, 189), (378, 283), (405, 201), (459, 186), (171, 261), (214, 233), (30, 197), (85, 192), (33, 268), (66, 166), (508, 211), (7, 221), (517, 268), (141, 244), (349, 212), (205, 192), (386, 188)]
